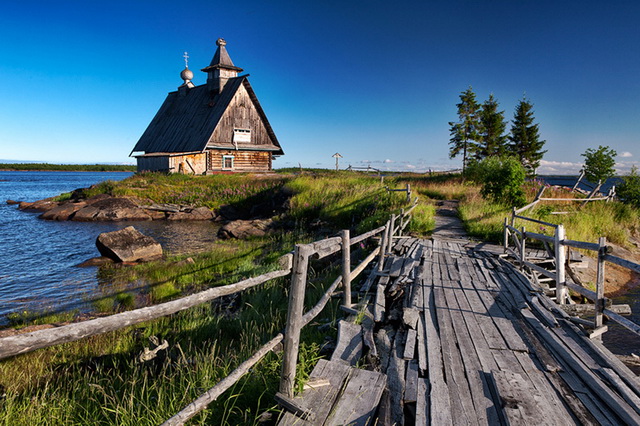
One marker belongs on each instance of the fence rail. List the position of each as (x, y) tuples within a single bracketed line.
[(295, 264), (556, 247)]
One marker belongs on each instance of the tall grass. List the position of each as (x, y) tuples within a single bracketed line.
[(210, 191)]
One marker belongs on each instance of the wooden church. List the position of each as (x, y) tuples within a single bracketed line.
[(215, 127)]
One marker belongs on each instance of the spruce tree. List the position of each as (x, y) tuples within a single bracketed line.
[(492, 137), (525, 141), (464, 132)]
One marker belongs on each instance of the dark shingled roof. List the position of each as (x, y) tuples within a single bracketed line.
[(185, 122)]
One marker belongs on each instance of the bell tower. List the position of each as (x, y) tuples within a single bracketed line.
[(221, 68)]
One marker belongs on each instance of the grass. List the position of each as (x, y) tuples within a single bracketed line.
[(99, 380), (209, 191)]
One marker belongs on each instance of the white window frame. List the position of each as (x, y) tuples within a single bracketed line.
[(224, 161), (242, 136)]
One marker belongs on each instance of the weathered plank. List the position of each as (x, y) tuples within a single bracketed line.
[(359, 400), (583, 367), (395, 379), (472, 353), (411, 382), (410, 344), (440, 405), (422, 404), (350, 345), (380, 306), (460, 395), (319, 400), (521, 402)]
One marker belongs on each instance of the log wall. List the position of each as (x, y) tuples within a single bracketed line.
[(243, 161)]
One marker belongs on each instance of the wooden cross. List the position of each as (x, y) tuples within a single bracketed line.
[(186, 59), (336, 156)]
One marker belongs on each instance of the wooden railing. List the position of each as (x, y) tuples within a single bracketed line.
[(296, 264), (555, 246)]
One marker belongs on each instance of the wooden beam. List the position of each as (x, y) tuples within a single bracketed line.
[(27, 342), (212, 394), (294, 317)]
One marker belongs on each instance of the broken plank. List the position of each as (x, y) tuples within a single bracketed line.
[(410, 344), (359, 400), (349, 347), (319, 400), (411, 382)]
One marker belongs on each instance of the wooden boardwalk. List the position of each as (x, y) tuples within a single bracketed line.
[(459, 336)]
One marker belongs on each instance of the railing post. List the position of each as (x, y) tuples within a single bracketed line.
[(401, 225), (561, 289), (294, 318), (346, 267), (383, 247), (392, 223), (523, 253), (513, 217), (408, 193), (506, 235), (600, 283)]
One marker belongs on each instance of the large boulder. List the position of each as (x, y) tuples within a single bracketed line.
[(128, 245), (245, 228)]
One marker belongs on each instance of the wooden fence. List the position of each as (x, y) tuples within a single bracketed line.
[(296, 264), (555, 247)]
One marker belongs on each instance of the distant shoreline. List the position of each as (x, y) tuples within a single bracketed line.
[(45, 167), (66, 170)]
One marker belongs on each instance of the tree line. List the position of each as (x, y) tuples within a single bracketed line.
[(480, 132), (500, 161)]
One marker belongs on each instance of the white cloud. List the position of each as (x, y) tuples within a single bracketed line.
[(626, 154), (388, 161), (558, 167)]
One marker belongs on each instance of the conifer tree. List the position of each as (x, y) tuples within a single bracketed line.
[(492, 137), (464, 132), (524, 140)]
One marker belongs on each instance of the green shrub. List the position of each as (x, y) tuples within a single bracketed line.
[(501, 179), (629, 190)]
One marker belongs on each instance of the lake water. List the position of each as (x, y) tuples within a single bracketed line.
[(38, 258)]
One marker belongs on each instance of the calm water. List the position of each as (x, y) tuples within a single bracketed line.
[(38, 257)]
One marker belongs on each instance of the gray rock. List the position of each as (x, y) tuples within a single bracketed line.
[(111, 209), (199, 213), (245, 228), (40, 205), (63, 211), (128, 245)]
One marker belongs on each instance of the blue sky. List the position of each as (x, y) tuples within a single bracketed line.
[(376, 81)]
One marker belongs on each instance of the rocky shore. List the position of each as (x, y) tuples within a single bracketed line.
[(103, 207)]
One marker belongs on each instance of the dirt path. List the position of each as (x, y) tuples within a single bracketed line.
[(448, 224)]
